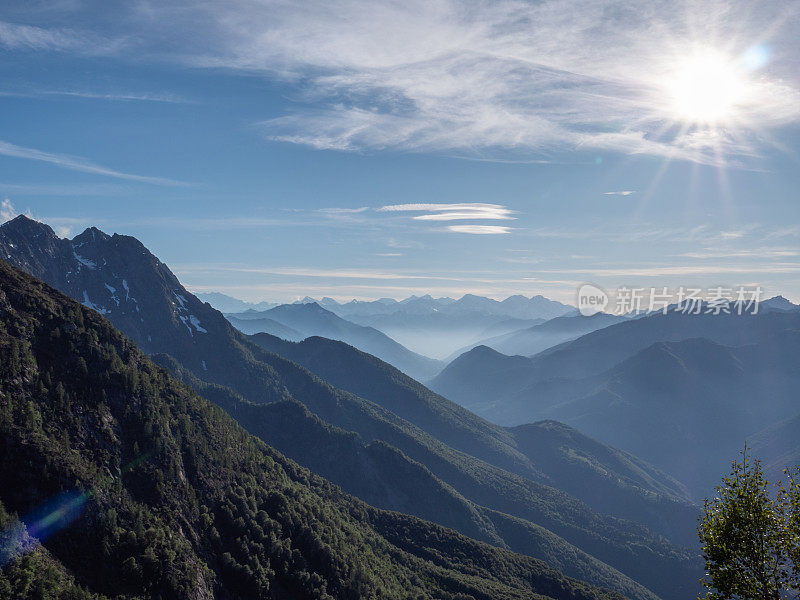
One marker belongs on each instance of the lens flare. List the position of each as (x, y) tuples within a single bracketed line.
[(58, 513)]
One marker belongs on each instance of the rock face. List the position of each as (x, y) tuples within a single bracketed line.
[(119, 278)]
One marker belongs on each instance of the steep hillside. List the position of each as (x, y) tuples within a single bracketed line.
[(643, 493), (223, 356), (260, 325), (137, 486), (481, 378), (386, 478)]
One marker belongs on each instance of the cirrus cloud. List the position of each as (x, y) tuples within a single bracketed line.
[(77, 163), (454, 212), (472, 211), (526, 78), (479, 229), (503, 80)]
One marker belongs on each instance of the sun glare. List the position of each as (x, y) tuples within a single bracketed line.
[(706, 88)]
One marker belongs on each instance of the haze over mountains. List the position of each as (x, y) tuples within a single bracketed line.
[(541, 336), (589, 455), (302, 320), (479, 479), (433, 327), (174, 500), (682, 391), (225, 303)]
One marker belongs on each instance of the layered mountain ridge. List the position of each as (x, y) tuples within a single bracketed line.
[(223, 358), (682, 391), (436, 327), (308, 319), (129, 469)]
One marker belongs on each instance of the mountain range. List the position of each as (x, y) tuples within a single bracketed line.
[(298, 321), (229, 304), (373, 452), (545, 452), (541, 336), (134, 486), (437, 327), (681, 391)]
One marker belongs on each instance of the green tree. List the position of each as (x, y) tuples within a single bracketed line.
[(789, 498), (745, 537)]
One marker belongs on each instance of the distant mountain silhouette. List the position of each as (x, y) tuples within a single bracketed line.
[(224, 303), (650, 386), (262, 325), (689, 406), (310, 319), (222, 363), (779, 303), (439, 326), (541, 336), (129, 484), (511, 379)]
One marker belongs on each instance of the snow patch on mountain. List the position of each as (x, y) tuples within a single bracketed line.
[(89, 304), (181, 299), (84, 261), (196, 322), (113, 291)]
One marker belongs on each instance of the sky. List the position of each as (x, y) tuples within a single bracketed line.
[(361, 149)]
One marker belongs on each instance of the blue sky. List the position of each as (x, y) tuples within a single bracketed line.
[(272, 149)]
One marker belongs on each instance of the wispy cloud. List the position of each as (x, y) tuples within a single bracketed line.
[(757, 253), (315, 273), (503, 80), (485, 78), (62, 189), (465, 211), (479, 229), (15, 36), (453, 212), (7, 210), (343, 211), (165, 97), (712, 269), (621, 193), (76, 163)]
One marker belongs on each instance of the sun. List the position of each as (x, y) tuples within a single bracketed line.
[(706, 88)]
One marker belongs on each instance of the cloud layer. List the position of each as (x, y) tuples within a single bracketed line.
[(453, 212), (466, 211), (509, 76), (76, 163), (479, 229), (509, 79)]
